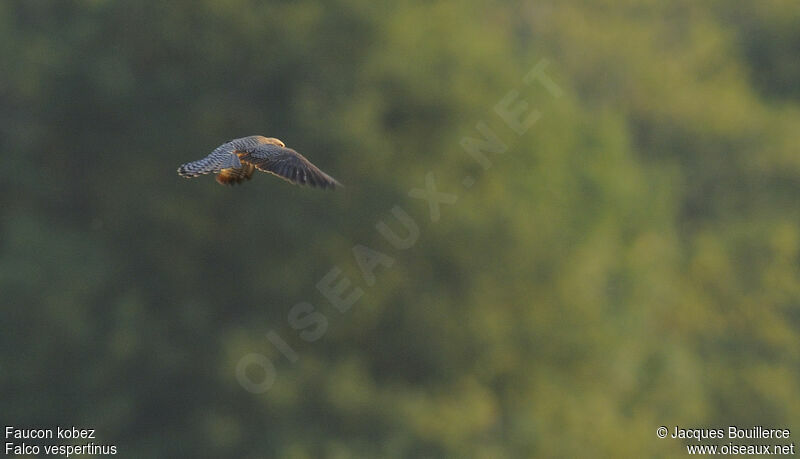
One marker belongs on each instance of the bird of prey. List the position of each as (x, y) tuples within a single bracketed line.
[(236, 160)]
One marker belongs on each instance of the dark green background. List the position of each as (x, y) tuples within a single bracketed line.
[(631, 261)]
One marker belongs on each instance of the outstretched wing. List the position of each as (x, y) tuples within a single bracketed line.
[(221, 158), (286, 164)]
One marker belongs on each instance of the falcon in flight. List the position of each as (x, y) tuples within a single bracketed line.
[(235, 161)]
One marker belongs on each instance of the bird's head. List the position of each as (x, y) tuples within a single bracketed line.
[(272, 140)]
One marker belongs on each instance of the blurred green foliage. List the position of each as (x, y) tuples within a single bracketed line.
[(630, 262)]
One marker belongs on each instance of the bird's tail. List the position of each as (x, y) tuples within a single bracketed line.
[(190, 170)]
